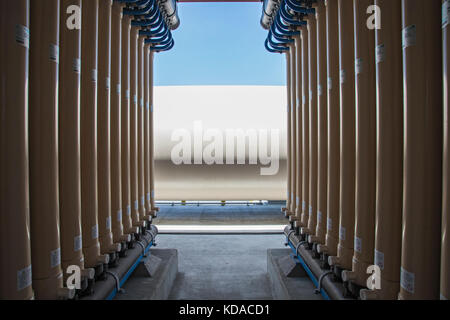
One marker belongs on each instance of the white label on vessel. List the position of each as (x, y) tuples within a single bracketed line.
[(153, 194), (54, 53), (94, 232), (135, 99), (358, 66), (119, 215), (379, 259), (148, 196), (342, 232), (142, 103), (76, 65), (380, 53), (108, 83), (409, 36), (24, 278), (343, 76), (329, 224), (55, 258), (319, 90), (23, 35), (119, 88), (108, 223), (297, 201), (94, 75), (142, 201), (127, 94), (310, 95), (358, 244), (136, 205), (407, 280), (310, 210), (77, 243), (319, 216), (128, 210), (303, 206), (330, 83)]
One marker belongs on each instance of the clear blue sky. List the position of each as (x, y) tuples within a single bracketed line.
[(219, 44)]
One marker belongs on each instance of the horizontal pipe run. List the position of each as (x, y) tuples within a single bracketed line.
[(330, 290), (108, 289)]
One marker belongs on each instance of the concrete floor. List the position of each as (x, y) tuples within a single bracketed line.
[(217, 215), (222, 267)]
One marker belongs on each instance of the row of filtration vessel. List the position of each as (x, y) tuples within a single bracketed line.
[(368, 130), (76, 167)]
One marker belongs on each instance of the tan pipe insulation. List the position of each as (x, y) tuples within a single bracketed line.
[(155, 209), (125, 128), (43, 120), (318, 235), (445, 258), (364, 240), (304, 209), (422, 202), (134, 110), (293, 134), (289, 130), (15, 260), (147, 165), (140, 127), (313, 151), (347, 82), (89, 178), (389, 179), (297, 131), (332, 223), (107, 244), (117, 213), (69, 143)]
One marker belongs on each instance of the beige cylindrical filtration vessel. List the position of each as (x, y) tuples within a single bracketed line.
[(125, 128), (389, 150), (69, 142), (313, 151), (298, 132), (289, 134), (89, 193), (305, 127), (293, 132), (445, 258), (134, 184), (43, 115), (347, 82), (155, 209), (333, 96), (422, 202), (364, 240), (148, 203), (15, 256), (107, 244), (322, 114), (141, 112), (115, 114)]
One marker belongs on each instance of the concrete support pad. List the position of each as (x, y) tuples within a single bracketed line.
[(154, 277), (288, 279)]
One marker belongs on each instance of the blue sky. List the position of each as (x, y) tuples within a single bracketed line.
[(219, 44)]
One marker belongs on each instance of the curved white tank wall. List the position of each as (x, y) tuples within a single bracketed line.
[(256, 110)]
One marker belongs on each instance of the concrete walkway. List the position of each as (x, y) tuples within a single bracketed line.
[(224, 267)]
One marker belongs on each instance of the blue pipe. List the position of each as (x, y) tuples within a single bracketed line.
[(275, 49), (129, 272), (299, 9), (308, 271)]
